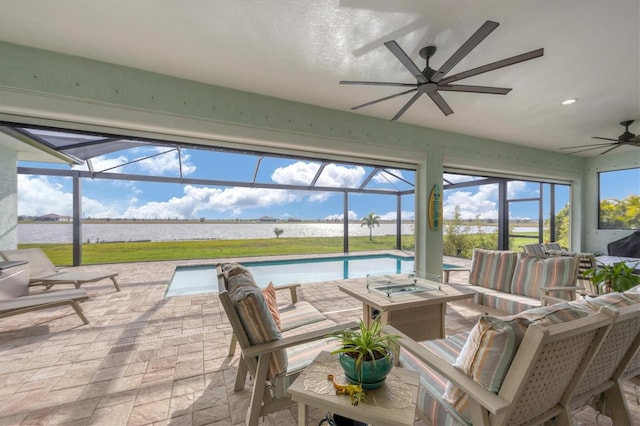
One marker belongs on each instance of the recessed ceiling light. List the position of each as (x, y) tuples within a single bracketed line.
[(569, 101)]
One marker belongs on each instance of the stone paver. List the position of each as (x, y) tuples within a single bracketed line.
[(149, 360)]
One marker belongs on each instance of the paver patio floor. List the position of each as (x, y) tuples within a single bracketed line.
[(149, 360)]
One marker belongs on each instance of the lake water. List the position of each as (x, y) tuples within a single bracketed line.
[(32, 233)]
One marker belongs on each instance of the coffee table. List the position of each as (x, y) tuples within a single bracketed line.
[(419, 315), (392, 404)]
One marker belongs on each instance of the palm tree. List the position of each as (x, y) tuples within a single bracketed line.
[(371, 221)]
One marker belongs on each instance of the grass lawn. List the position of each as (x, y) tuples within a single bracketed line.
[(123, 252), (61, 254)]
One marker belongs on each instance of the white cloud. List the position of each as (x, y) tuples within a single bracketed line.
[(482, 204), (453, 178), (302, 173), (38, 195), (298, 173), (515, 188), (383, 177), (101, 163), (167, 163), (404, 215), (198, 199), (352, 216)]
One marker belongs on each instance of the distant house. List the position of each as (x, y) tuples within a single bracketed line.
[(52, 217), (267, 219), (293, 219)]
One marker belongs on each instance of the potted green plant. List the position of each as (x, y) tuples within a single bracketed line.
[(366, 354), (615, 277)]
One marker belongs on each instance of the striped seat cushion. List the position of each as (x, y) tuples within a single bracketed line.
[(432, 385), (254, 313), (509, 303), (298, 314), (533, 272), (492, 269), (300, 357)]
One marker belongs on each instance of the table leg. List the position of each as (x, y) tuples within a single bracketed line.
[(366, 314), (302, 414)]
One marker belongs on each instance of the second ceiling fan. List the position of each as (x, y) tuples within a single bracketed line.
[(431, 82)]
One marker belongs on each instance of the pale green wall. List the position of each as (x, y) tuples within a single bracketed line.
[(63, 90), (8, 199)]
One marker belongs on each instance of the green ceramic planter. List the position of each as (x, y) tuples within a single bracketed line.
[(373, 373)]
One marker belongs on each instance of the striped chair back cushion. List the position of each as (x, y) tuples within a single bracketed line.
[(536, 249), (551, 246), (556, 314), (254, 313), (493, 268), (533, 272), (586, 260)]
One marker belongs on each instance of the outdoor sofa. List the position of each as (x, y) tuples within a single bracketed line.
[(509, 282), (531, 367)]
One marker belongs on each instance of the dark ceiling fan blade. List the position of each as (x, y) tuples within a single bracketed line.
[(378, 83), (442, 104), (406, 106), (584, 150), (406, 60), (494, 66), (610, 149), (383, 99), (605, 139), (464, 50), (474, 89), (596, 145)]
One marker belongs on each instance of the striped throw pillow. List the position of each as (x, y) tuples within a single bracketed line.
[(269, 293), (533, 272), (493, 269), (486, 357)]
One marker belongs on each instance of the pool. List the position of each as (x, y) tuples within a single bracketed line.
[(197, 279)]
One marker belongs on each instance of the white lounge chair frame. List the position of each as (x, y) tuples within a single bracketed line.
[(43, 272), (44, 300)]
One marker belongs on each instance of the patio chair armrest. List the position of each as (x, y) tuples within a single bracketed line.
[(480, 395), (299, 339), (292, 289)]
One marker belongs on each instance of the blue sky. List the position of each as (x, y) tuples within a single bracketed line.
[(39, 195)]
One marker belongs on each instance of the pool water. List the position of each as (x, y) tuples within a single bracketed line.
[(197, 279)]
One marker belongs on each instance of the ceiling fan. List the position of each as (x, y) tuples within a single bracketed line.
[(430, 81), (627, 138)]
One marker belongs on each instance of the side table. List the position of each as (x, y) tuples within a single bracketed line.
[(392, 404)]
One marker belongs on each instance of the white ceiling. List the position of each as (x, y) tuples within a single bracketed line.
[(299, 50)]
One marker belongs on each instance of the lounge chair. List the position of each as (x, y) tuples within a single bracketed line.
[(44, 300), (43, 272), (273, 359)]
